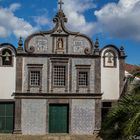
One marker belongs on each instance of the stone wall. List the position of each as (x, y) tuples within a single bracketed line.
[(84, 61), (33, 116), (35, 111), (35, 61), (83, 116), (71, 75)]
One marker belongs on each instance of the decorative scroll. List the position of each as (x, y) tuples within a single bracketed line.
[(87, 51), (37, 44), (60, 16), (80, 46), (30, 49)]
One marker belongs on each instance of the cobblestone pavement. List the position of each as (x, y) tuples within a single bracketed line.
[(48, 137)]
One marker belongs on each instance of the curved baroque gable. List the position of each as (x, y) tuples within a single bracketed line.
[(47, 42)]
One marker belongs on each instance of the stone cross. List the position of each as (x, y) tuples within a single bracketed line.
[(60, 3)]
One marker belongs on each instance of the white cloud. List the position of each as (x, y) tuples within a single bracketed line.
[(120, 20), (3, 32), (10, 24), (114, 19), (13, 7), (41, 20), (74, 10)]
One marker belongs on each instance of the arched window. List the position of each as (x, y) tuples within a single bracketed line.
[(109, 59), (6, 57)]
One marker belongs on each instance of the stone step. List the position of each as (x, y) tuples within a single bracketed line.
[(48, 137)]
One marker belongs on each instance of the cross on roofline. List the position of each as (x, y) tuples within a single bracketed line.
[(60, 3)]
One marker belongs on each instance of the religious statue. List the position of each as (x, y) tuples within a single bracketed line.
[(59, 43)]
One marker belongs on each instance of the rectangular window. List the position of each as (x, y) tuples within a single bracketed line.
[(35, 78), (107, 104), (59, 74), (83, 78)]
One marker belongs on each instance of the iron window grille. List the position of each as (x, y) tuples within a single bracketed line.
[(83, 78), (59, 75), (35, 78)]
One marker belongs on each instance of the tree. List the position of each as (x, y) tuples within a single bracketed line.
[(123, 121)]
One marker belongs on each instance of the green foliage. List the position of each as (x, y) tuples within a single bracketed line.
[(123, 120)]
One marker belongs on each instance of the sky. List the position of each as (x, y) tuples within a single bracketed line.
[(112, 21)]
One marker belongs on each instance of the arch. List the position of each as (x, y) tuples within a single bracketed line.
[(8, 46), (111, 47), (7, 51)]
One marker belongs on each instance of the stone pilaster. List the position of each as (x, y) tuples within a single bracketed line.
[(122, 74), (17, 126), (17, 123), (98, 75), (97, 115), (19, 62)]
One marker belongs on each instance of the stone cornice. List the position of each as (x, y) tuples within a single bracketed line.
[(57, 55), (57, 95)]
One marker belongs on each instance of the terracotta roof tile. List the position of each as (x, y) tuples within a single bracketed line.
[(132, 68)]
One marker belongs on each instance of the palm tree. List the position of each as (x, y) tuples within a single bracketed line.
[(123, 121)]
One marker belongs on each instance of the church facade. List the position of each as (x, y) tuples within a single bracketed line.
[(59, 82)]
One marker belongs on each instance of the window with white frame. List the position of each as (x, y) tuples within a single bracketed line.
[(59, 75)]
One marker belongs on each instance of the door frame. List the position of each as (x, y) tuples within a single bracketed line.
[(10, 102), (68, 115)]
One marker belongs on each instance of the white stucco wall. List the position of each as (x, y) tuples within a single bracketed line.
[(7, 81), (109, 81)]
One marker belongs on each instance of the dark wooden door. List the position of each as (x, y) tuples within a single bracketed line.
[(6, 117), (58, 119)]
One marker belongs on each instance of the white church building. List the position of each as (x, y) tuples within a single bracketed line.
[(58, 81)]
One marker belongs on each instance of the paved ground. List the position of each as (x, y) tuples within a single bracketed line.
[(48, 137)]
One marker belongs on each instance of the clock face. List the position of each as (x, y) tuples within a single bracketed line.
[(41, 44)]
